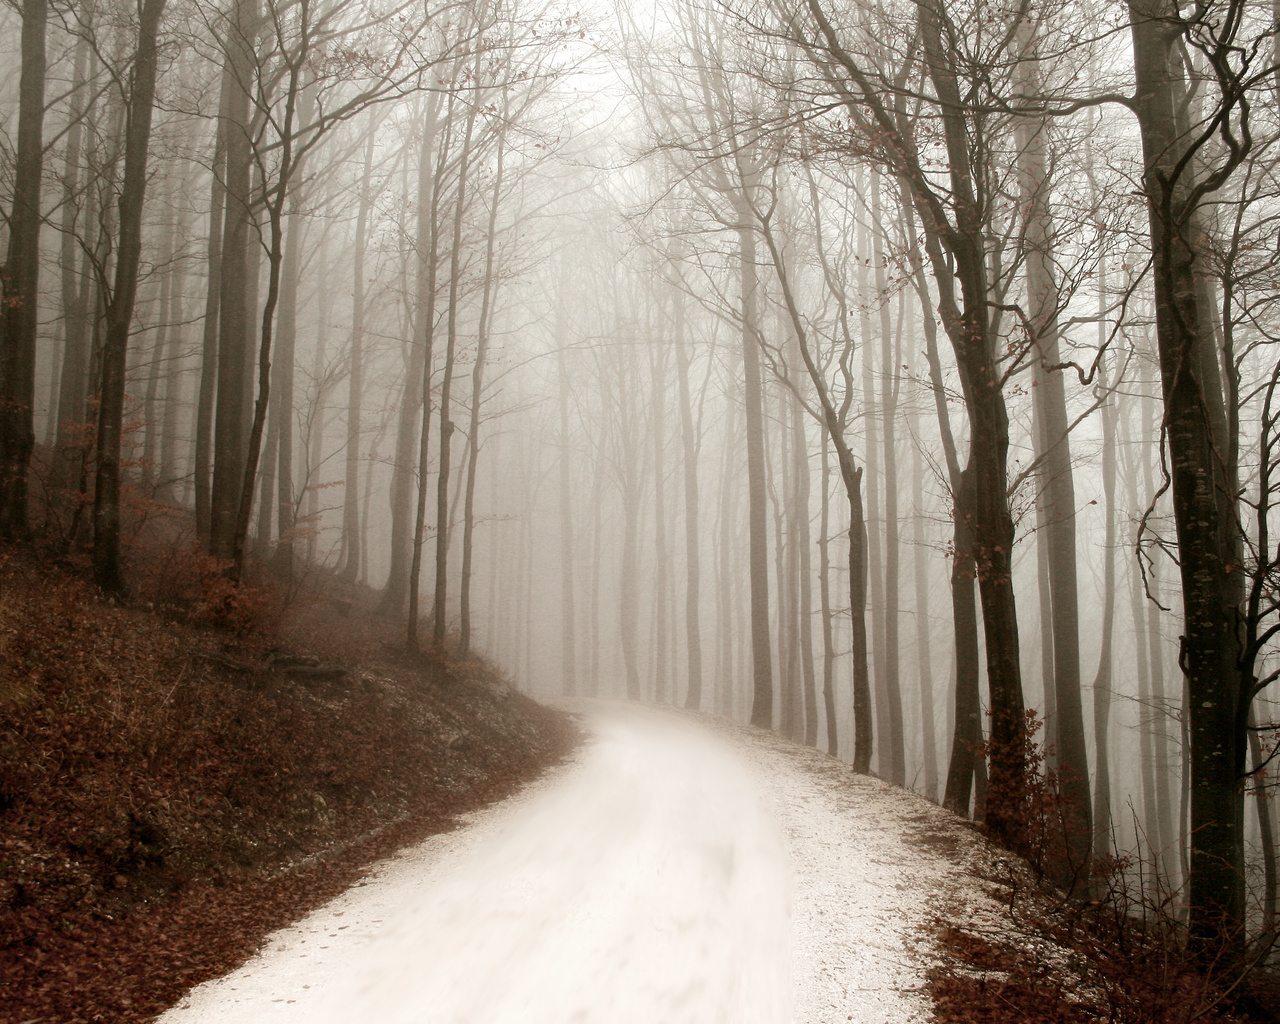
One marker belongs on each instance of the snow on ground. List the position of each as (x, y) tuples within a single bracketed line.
[(678, 870)]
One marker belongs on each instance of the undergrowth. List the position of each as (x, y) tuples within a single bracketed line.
[(1082, 942)]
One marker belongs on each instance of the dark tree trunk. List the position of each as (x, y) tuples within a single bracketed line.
[(234, 313), (20, 280), (202, 458), (106, 503), (76, 291), (276, 199), (1202, 500), (405, 545)]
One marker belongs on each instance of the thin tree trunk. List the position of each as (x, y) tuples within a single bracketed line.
[(753, 401), (889, 385), (403, 517), (1263, 791), (355, 370), (824, 596), (884, 755), (275, 203), (446, 390), (800, 519), (473, 431), (283, 390), (786, 571), (424, 339), (202, 458), (106, 504), (1102, 823), (725, 570), (693, 568), (924, 643), (657, 367), (150, 428), (76, 291)]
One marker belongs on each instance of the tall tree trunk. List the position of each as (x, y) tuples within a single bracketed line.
[(1150, 718), (966, 730), (487, 301), (355, 370), (627, 611), (157, 366), (443, 530), (804, 576), (424, 339), (758, 544), (725, 570), (20, 280), (106, 503), (693, 569), (175, 373), (406, 520), (1263, 793), (234, 313), (872, 447), (890, 382), (283, 393), (824, 597), (924, 645), (851, 475), (1203, 498), (1058, 493), (1102, 823), (657, 368), (76, 291), (786, 575), (966, 717), (202, 457), (593, 593), (276, 199)]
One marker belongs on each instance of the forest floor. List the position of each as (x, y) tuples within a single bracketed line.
[(181, 777), (688, 870)]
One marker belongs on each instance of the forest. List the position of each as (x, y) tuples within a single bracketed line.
[(898, 376)]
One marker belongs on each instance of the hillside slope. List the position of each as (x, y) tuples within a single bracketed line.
[(172, 791)]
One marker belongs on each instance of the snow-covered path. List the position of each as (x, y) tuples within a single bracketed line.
[(673, 872)]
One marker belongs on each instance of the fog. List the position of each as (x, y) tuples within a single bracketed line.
[(698, 292)]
